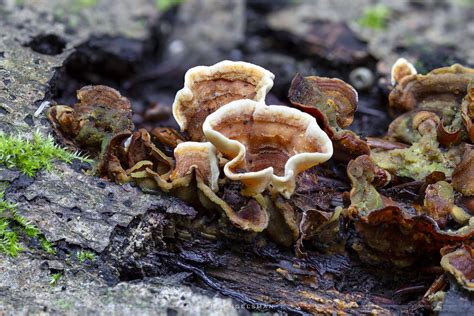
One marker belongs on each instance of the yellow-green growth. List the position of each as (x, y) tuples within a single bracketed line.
[(12, 225), (31, 155), (375, 17), (54, 279), (83, 255), (164, 5)]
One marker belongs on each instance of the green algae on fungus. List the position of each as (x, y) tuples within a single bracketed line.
[(419, 160), (100, 114), (366, 177)]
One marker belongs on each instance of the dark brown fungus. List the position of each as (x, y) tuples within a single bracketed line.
[(167, 136), (331, 98), (463, 174), (333, 103), (460, 264), (415, 235), (467, 111)]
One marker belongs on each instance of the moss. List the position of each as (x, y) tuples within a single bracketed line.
[(30, 156), (163, 5), (55, 279), (12, 226), (83, 255), (375, 17)]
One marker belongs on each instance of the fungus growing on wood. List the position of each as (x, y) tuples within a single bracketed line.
[(439, 89), (266, 145), (460, 264), (100, 114), (206, 89), (333, 103)]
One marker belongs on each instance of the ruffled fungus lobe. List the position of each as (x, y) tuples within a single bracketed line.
[(333, 103), (439, 89), (460, 263), (366, 177), (463, 174), (100, 113), (439, 202), (128, 155), (266, 144), (415, 235), (329, 99), (467, 111), (200, 158), (208, 88)]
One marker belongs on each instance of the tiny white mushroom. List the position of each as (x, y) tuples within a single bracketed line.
[(401, 69)]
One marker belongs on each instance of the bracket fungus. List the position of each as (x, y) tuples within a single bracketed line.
[(208, 88), (439, 89), (100, 114), (252, 162), (333, 103), (460, 264), (467, 111), (266, 145), (463, 174)]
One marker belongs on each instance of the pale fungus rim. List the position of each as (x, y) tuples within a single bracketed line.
[(210, 151), (257, 181), (263, 83)]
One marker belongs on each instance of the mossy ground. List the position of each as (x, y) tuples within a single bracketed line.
[(28, 156)]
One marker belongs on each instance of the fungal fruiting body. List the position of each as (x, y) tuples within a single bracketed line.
[(266, 145), (206, 89)]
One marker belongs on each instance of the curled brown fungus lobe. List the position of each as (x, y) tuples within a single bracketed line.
[(439, 89), (460, 264), (467, 111), (463, 174), (393, 234), (333, 103), (100, 113)]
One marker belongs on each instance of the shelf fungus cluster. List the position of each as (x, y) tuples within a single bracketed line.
[(417, 182), (235, 154), (267, 168)]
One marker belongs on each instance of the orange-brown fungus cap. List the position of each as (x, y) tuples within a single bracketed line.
[(266, 144), (208, 88)]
